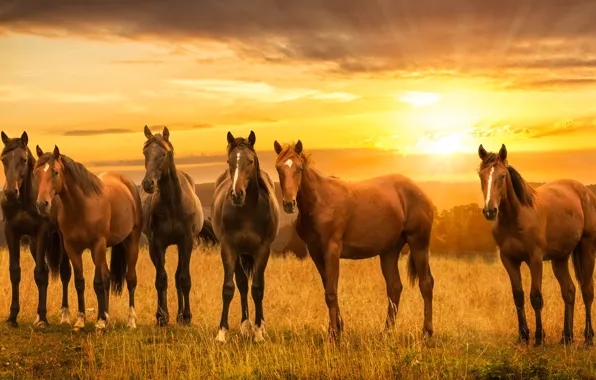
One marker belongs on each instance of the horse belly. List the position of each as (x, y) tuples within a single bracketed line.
[(123, 213)]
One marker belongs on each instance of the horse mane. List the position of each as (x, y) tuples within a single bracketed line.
[(524, 192), (306, 157), (89, 182), (15, 143), (242, 143)]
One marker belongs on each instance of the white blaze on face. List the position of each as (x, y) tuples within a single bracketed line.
[(236, 172), (489, 185), (289, 162), (45, 168)]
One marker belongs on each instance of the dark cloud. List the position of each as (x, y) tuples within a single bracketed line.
[(350, 35), (93, 132)]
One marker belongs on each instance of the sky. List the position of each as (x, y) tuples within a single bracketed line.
[(368, 86)]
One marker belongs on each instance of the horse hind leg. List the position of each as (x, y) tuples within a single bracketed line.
[(14, 253), (130, 249), (258, 289), (419, 268), (183, 280), (242, 285), (65, 275), (583, 261), (561, 271), (393, 283)]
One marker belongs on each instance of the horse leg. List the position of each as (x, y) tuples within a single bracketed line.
[(185, 252), (393, 283), (132, 254), (561, 271), (100, 283), (242, 285), (157, 254), (419, 266), (535, 264), (65, 275), (77, 266), (258, 288), (229, 259), (38, 247), (319, 260), (513, 270), (586, 261), (332, 256), (13, 241)]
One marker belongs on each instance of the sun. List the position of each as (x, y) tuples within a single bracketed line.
[(440, 143), (419, 99)]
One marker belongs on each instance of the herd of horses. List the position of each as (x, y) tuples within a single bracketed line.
[(65, 209)]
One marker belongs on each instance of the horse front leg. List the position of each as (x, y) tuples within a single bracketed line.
[(513, 270), (13, 241), (77, 266), (157, 254), (332, 256), (183, 281), (101, 284), (258, 288), (535, 264), (229, 258), (65, 275), (39, 247)]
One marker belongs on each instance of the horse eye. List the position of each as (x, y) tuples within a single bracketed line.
[(23, 160), (298, 169), (55, 173)]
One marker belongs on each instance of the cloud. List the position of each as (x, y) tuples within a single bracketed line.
[(348, 36), (24, 93), (93, 132), (138, 62)]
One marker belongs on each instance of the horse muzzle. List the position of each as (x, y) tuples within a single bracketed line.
[(490, 213), (290, 207), (237, 197), (148, 186), (43, 207)]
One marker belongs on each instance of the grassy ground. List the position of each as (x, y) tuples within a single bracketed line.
[(474, 321)]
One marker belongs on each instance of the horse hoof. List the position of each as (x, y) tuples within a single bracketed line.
[(538, 344), (101, 325), (245, 329), (566, 340), (78, 328), (260, 334), (221, 335), (64, 316), (11, 323), (184, 321)]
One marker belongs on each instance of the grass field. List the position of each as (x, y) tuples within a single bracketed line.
[(474, 321)]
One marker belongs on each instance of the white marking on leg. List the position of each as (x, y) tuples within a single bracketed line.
[(80, 323), (289, 162), (236, 173), (489, 185), (45, 168), (37, 321), (132, 318), (260, 332), (245, 328), (221, 335), (64, 316)]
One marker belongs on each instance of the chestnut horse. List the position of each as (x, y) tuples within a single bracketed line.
[(21, 218), (359, 220), (246, 221), (172, 215), (553, 222), (93, 213)]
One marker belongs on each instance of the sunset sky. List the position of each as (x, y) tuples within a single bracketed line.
[(369, 86)]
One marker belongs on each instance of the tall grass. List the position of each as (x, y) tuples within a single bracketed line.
[(474, 321)]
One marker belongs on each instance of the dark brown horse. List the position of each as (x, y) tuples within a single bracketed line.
[(93, 213), (358, 220), (246, 221), (173, 215), (21, 218), (553, 222)]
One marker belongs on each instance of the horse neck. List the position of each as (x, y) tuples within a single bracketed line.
[(509, 206), (310, 186), (71, 195), (169, 183), (252, 190)]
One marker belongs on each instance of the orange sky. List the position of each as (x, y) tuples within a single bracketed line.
[(371, 86)]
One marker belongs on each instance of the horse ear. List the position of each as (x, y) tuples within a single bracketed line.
[(277, 147), (503, 153), (148, 133), (5, 138), (166, 134), (252, 138), (39, 151), (56, 152), (230, 137), (24, 138), (298, 147), (482, 153)]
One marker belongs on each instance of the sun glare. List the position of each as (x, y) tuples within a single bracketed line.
[(440, 143), (419, 99)]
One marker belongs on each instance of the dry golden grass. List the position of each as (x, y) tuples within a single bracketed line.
[(474, 321)]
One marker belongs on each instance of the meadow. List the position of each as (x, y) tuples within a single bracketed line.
[(474, 321)]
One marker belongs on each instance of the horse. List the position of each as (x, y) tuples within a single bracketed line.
[(21, 218), (552, 222), (93, 212), (358, 220), (245, 215), (172, 215)]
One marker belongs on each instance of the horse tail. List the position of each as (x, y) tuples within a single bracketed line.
[(404, 248), (207, 235), (247, 263), (577, 263), (54, 254), (118, 267)]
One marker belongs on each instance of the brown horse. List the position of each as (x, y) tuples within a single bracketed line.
[(246, 221), (93, 213), (553, 222), (173, 215), (374, 217), (21, 218)]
